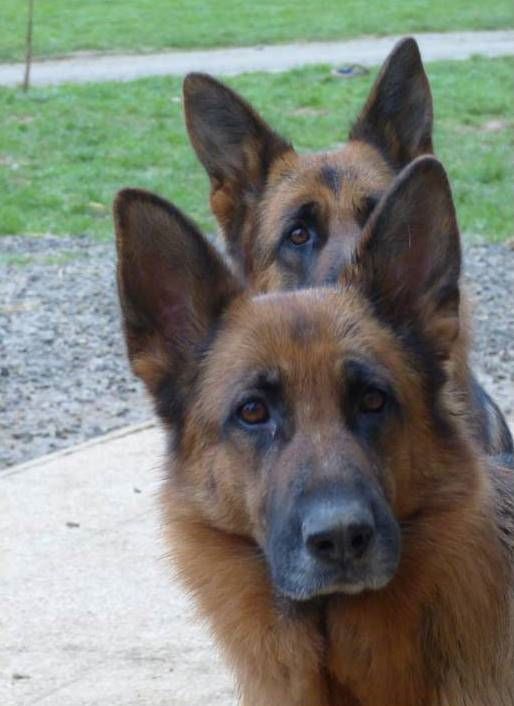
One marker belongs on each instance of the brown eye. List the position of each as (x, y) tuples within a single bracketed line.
[(253, 412), (373, 400), (299, 235)]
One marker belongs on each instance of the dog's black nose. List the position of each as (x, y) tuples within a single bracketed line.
[(335, 534)]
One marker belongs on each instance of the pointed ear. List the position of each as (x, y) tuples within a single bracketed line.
[(234, 144), (411, 257), (173, 289), (398, 115)]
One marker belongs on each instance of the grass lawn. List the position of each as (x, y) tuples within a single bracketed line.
[(63, 26), (65, 151)]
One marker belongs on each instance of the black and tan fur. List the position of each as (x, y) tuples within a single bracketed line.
[(262, 190), (356, 417)]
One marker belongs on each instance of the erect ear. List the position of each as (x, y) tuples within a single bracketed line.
[(236, 147), (173, 289), (411, 258), (397, 117)]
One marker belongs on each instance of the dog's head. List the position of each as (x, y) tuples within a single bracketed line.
[(310, 422), (294, 220)]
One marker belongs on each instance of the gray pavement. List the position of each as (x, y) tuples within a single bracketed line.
[(90, 615), (368, 51)]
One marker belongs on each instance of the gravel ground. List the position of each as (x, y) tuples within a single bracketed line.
[(63, 373)]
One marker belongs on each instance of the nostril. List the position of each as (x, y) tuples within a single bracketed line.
[(322, 546), (359, 539)]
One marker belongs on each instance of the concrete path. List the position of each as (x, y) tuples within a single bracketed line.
[(89, 615), (368, 51)]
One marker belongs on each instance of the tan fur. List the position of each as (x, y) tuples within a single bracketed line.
[(440, 630), (295, 180), (277, 659), (258, 180), (453, 579)]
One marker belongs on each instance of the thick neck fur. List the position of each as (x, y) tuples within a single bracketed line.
[(441, 633)]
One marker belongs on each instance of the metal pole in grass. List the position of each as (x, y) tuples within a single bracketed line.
[(28, 52)]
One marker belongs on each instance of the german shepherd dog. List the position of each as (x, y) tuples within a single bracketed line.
[(292, 220), (345, 535)]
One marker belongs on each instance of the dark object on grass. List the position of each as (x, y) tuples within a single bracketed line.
[(350, 71)]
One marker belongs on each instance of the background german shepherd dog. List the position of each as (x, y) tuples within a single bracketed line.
[(326, 502), (294, 220)]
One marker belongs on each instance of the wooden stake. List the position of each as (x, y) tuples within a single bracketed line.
[(28, 53)]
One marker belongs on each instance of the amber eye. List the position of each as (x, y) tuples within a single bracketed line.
[(299, 235), (373, 400), (253, 411)]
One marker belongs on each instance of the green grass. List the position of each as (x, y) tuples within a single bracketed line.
[(63, 26), (65, 151)]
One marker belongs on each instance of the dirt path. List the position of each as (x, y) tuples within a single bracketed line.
[(368, 51)]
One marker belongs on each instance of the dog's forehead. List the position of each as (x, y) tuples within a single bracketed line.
[(300, 341), (296, 331), (354, 166)]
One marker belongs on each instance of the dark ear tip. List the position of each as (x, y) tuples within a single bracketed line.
[(425, 167), (121, 206), (422, 184), (195, 82), (128, 196), (423, 180), (130, 204), (406, 49), (125, 196)]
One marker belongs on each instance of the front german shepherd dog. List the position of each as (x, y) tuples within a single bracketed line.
[(293, 220), (326, 502)]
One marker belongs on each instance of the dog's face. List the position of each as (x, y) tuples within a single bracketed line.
[(312, 214), (304, 420), (294, 220), (298, 395)]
